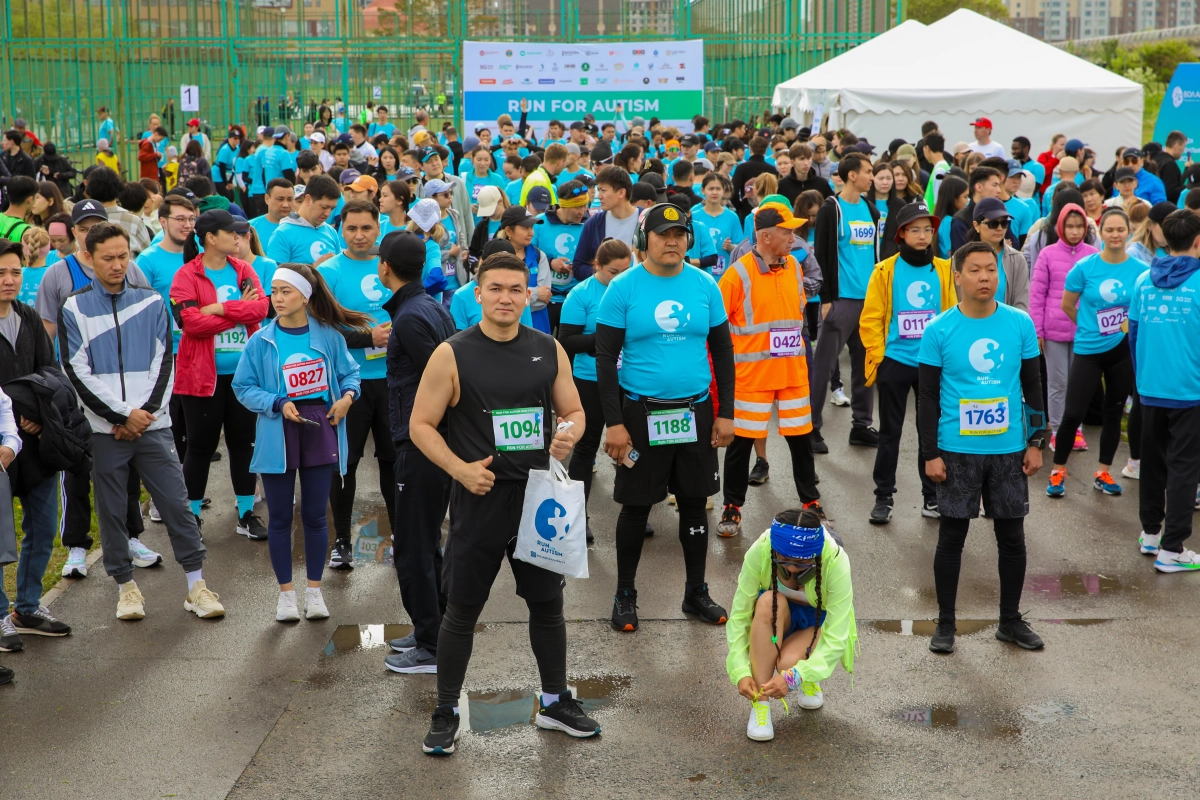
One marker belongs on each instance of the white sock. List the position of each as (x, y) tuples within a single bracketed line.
[(133, 539), (192, 577), (549, 699), (311, 590)]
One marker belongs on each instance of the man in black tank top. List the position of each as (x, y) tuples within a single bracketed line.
[(482, 381)]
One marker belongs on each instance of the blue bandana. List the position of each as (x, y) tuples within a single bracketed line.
[(793, 542)]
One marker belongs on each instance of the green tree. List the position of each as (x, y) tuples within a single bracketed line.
[(929, 11)]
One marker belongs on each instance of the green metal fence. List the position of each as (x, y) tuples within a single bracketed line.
[(266, 61)]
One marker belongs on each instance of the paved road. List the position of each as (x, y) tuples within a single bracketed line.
[(173, 706)]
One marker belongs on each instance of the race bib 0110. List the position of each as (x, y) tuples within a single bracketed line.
[(912, 323)]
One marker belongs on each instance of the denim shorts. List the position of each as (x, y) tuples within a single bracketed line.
[(803, 616)]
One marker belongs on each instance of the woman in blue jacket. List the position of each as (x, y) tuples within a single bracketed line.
[(298, 376)]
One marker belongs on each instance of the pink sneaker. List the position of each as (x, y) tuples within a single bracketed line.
[(1053, 437), (1080, 444)]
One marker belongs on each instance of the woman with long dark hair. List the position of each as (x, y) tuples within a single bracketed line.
[(952, 197), (47, 203)]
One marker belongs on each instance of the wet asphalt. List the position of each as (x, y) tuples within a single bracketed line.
[(245, 707)]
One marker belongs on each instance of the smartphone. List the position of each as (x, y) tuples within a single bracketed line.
[(631, 458), (246, 286), (307, 421)]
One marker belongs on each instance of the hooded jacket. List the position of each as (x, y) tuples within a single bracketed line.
[(791, 188), (1169, 174), (62, 172), (876, 317), (47, 398), (1049, 276), (825, 243), (1168, 272)]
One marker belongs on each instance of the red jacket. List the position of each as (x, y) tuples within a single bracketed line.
[(1049, 161), (196, 364), (147, 160)]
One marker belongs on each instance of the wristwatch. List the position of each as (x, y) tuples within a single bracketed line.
[(1038, 441)]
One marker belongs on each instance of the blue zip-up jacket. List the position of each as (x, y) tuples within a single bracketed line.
[(258, 384), (1165, 273)]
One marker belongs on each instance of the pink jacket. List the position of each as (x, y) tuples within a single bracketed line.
[(1049, 275)]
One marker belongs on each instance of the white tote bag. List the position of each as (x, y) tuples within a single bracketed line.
[(553, 532)]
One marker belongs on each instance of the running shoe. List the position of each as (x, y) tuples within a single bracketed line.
[(39, 623), (930, 509), (811, 697), (839, 398), (815, 505), (1148, 544), (205, 502), (314, 605), (1053, 438), (417, 661), (10, 640), (864, 437), (649, 529), (285, 607), (1080, 442), (6, 675), (881, 514), (143, 556), (443, 732), (76, 566), (1187, 561), (203, 602), (699, 603), (761, 472), (942, 640), (341, 557), (588, 534), (1104, 483), (818, 443), (250, 526), (1056, 488), (404, 643), (130, 603), (760, 728), (731, 522), (624, 616), (154, 515), (1196, 504), (1019, 633), (1132, 469), (566, 715)]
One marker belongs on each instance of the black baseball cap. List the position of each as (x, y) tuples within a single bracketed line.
[(1124, 174), (643, 191), (1160, 211), (402, 248), (517, 215), (498, 246), (661, 218), (88, 209), (538, 197), (1131, 152), (578, 125), (911, 212), (990, 208), (220, 220)]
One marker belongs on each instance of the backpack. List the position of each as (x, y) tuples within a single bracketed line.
[(188, 168), (12, 228)]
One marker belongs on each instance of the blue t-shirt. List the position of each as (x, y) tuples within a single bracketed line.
[(254, 165), (567, 175), (264, 228), (31, 279), (944, 250), (160, 267), (1039, 172), (916, 300), (374, 129), (475, 183), (1168, 339), (302, 243), (981, 407), (718, 228), (558, 241), (581, 308), (275, 159), (451, 240), (294, 346), (265, 269), (856, 249), (356, 286), (229, 344), (513, 191), (225, 156), (1104, 293), (466, 310), (106, 131), (666, 323), (1022, 215), (703, 247)]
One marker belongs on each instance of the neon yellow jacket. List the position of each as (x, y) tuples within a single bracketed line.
[(839, 634), (539, 177)]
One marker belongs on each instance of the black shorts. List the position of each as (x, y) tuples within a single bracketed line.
[(483, 530), (686, 470), (999, 479), (369, 415)]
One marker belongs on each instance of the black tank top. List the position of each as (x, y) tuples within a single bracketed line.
[(504, 399)]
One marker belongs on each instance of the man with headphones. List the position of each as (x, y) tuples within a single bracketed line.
[(663, 319)]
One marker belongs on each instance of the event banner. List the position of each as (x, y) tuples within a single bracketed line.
[(566, 81), (1180, 110)]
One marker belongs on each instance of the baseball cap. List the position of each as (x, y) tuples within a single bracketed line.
[(643, 191), (428, 152), (280, 132), (702, 163), (267, 132), (1124, 174), (172, 151), (789, 124), (317, 136), (960, 148), (87, 210), (687, 140), (425, 213), (406, 174), (349, 176), (776, 215), (578, 125), (990, 208), (911, 212), (982, 122), (19, 122), (498, 246), (220, 220), (1129, 152), (420, 137), (1014, 168), (573, 148), (436, 186), (895, 144), (345, 138), (1074, 145), (663, 217), (489, 197), (402, 247), (1160, 211), (518, 215), (539, 198), (260, 130), (601, 153), (865, 147), (364, 183), (193, 123), (1068, 164)]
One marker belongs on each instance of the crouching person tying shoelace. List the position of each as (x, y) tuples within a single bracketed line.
[(792, 619)]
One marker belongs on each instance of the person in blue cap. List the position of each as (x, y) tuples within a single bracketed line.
[(792, 619)]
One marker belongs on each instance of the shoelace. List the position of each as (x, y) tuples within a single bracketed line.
[(205, 594), (626, 603), (141, 549), (1105, 477), (442, 722), (762, 712), (44, 614), (1057, 477), (810, 688), (132, 596), (7, 627)]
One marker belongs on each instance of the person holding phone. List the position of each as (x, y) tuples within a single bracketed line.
[(218, 303)]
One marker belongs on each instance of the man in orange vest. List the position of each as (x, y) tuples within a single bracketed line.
[(764, 298)]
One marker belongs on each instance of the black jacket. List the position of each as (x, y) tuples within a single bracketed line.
[(887, 244), (1169, 174), (34, 348), (18, 163), (419, 325), (47, 398), (791, 188), (825, 244), (745, 173), (62, 172)]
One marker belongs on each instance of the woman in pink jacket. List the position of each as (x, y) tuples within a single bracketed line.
[(1055, 330)]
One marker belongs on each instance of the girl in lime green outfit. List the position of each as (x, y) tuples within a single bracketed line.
[(792, 619)]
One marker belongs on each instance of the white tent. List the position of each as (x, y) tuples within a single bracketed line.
[(962, 67)]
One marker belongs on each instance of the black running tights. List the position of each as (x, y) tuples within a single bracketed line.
[(1010, 541), (693, 535)]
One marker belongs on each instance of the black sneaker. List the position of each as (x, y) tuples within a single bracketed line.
[(216, 456), (864, 437), (649, 530), (566, 715), (699, 602), (943, 638), (199, 526), (881, 514), (761, 472), (930, 509), (341, 557), (624, 616), (10, 640), (404, 643), (818, 443), (443, 732), (590, 539), (6, 675), (731, 522), (39, 623), (251, 527), (1019, 633), (205, 502)]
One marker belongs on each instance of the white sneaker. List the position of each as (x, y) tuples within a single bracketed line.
[(143, 556), (810, 697), (154, 515), (1132, 469), (315, 605), (285, 609), (839, 398), (1149, 544), (131, 604), (760, 728), (76, 566), (203, 602), (1187, 561)]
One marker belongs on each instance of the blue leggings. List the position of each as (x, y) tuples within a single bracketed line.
[(314, 493)]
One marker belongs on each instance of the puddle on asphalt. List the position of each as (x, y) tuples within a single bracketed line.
[(353, 638), (699, 776), (488, 711), (984, 723), (925, 627), (1073, 584), (370, 536), (1079, 622)]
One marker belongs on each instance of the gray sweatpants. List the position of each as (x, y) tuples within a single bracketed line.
[(156, 461), (840, 329), (1058, 367)]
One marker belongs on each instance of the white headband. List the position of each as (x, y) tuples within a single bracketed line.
[(295, 279)]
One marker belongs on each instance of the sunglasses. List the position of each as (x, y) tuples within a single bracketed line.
[(997, 224), (794, 569)]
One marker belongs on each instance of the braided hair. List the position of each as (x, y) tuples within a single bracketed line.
[(804, 518)]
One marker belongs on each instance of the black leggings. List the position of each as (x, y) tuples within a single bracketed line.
[(589, 443), (206, 416), (947, 561), (368, 417), (547, 639), (1135, 426), (1116, 368), (693, 535)]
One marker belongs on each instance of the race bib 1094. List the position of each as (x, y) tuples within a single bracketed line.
[(518, 428)]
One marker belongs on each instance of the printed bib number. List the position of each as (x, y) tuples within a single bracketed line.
[(560, 279), (518, 429), (232, 340), (862, 233), (475, 190), (304, 378), (786, 342), (671, 426), (983, 417), (719, 269), (1111, 321), (912, 323), (373, 353)]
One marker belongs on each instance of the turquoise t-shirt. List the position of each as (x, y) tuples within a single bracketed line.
[(916, 299), (856, 249), (882, 207), (558, 241), (944, 250), (703, 247), (264, 228), (466, 310), (1022, 215), (356, 286), (475, 183), (160, 267), (666, 323), (302, 243), (513, 191), (718, 228), (265, 269), (294, 347), (1167, 335), (375, 128), (567, 175), (581, 308), (275, 160), (1104, 293), (451, 240), (230, 343), (981, 407), (254, 165), (31, 279)]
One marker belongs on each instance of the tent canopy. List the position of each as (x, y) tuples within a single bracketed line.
[(888, 86)]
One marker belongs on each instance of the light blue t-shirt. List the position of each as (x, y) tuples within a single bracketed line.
[(374, 129), (160, 267), (916, 299), (466, 310), (229, 344), (356, 286), (581, 308), (513, 191), (475, 183), (1168, 338), (302, 243), (703, 247), (666, 323), (558, 241), (294, 346), (944, 250), (1022, 214), (31, 279), (275, 159), (451, 240), (567, 175), (106, 131), (264, 228), (981, 407), (226, 156), (265, 269), (856, 249), (1104, 293), (718, 228), (254, 165)]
